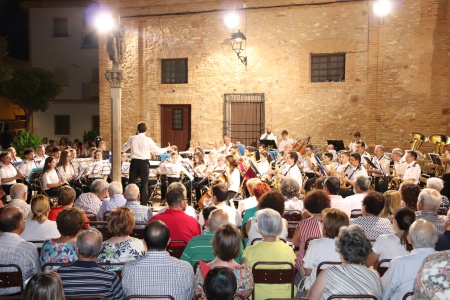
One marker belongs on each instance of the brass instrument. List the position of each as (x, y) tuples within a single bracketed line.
[(344, 181), (418, 140), (439, 141), (393, 183)]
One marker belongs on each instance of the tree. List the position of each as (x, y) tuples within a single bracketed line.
[(5, 72), (31, 89)]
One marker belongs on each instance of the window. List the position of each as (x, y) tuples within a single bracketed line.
[(60, 27), (328, 67), (62, 124), (90, 40), (174, 71), (177, 119), (95, 123)]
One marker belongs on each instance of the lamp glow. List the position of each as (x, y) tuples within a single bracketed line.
[(382, 8), (104, 22), (231, 20)]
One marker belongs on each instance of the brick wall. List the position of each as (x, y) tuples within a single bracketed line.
[(397, 78)]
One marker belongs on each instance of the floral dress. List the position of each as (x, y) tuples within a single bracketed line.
[(121, 252), (53, 252)]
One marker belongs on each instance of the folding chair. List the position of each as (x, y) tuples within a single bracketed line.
[(38, 245), (138, 231), (324, 263), (355, 213), (106, 215), (11, 278), (176, 251), (381, 270), (91, 216), (273, 276), (118, 272), (59, 265), (409, 294), (292, 215)]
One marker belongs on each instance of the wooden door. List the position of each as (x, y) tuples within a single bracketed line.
[(176, 126)]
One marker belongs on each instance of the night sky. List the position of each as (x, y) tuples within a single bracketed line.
[(14, 25)]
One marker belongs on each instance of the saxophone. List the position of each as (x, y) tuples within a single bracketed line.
[(344, 181), (393, 183)]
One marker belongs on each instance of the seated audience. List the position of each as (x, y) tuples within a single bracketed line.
[(410, 193), (350, 278), (116, 199), (443, 242), (13, 248), (141, 213), (70, 222), (361, 187), (399, 278), (427, 206), (85, 276), (39, 228), (66, 197), (44, 285), (392, 202), (432, 281), (121, 247), (260, 189), (291, 190), (274, 200), (92, 202), (388, 246), (220, 284), (189, 210), (331, 186), (373, 226), (206, 213), (437, 184), (315, 202), (323, 249), (227, 245), (19, 194), (158, 273), (270, 248), (251, 201)]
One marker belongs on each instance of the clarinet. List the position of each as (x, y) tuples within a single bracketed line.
[(61, 179)]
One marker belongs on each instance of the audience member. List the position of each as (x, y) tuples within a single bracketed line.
[(92, 202), (227, 245), (188, 210), (121, 247), (373, 226), (260, 189), (438, 184), (250, 201), (158, 273), (70, 222), (66, 197), (39, 228), (116, 199), (428, 204), (410, 193), (219, 200), (388, 246), (443, 242), (432, 281), (220, 284), (331, 186), (13, 248), (350, 278), (19, 194), (85, 276), (361, 187), (44, 286), (206, 213), (399, 278), (315, 202), (141, 213), (392, 202), (291, 190)]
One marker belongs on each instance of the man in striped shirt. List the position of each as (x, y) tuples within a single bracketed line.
[(85, 277)]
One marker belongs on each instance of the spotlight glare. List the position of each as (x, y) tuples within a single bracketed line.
[(104, 22), (382, 8), (231, 20)]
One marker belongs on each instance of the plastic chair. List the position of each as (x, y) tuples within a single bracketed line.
[(330, 263), (273, 276), (10, 279), (106, 215), (91, 216), (260, 239), (118, 272), (292, 225)]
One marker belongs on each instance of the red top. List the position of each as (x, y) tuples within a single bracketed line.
[(181, 226), (54, 211)]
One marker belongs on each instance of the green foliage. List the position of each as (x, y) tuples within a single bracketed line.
[(25, 139), (5, 72), (89, 136), (31, 89)]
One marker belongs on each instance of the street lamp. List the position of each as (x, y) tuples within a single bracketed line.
[(238, 45), (115, 47)]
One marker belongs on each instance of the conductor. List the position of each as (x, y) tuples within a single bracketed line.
[(140, 146)]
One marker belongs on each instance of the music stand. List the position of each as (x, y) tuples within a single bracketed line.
[(338, 144), (35, 174), (154, 164), (370, 163), (105, 154), (269, 143), (435, 159), (125, 167)]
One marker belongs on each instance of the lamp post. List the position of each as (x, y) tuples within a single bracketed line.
[(238, 44), (115, 46)]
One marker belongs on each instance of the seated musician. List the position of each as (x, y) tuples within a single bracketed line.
[(361, 149), (14, 157), (262, 148), (382, 163), (51, 181), (8, 174), (28, 162), (285, 139), (68, 171), (56, 153), (413, 171), (291, 169), (40, 156), (173, 168), (264, 164), (199, 173), (233, 176), (96, 168), (332, 150), (344, 170), (357, 168), (328, 164), (309, 162), (227, 144)]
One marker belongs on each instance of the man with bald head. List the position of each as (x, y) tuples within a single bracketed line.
[(200, 247), (85, 276), (399, 278), (141, 213), (14, 249)]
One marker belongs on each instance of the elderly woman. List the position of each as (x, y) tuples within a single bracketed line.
[(226, 246), (290, 189), (438, 184), (260, 189), (275, 201), (92, 202), (70, 222), (315, 202), (350, 278), (121, 247), (40, 228), (410, 194), (270, 248)]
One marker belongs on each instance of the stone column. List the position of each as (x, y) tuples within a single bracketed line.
[(115, 78)]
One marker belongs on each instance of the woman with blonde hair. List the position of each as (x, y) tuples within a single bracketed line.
[(393, 200), (40, 228)]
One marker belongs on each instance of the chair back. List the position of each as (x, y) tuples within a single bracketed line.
[(352, 297), (118, 272), (292, 215), (38, 245), (59, 265), (11, 278), (409, 294), (255, 240), (326, 263), (98, 224), (381, 270), (129, 297), (355, 213), (175, 249), (273, 276), (292, 225), (138, 232), (91, 216), (106, 215), (309, 241)]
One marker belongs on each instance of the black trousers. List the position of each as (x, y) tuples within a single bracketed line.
[(7, 189), (140, 168), (446, 190)]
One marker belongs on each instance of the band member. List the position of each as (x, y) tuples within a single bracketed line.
[(357, 168), (332, 150), (309, 162), (233, 176), (141, 146), (382, 163), (96, 167), (28, 162), (51, 181), (291, 169), (8, 174), (328, 164), (227, 144), (264, 164), (56, 153), (40, 156), (412, 172), (268, 135), (352, 145), (344, 169), (67, 171), (397, 155), (199, 174), (361, 149), (173, 168), (14, 157), (285, 139), (446, 161)]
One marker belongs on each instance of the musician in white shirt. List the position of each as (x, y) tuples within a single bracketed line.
[(291, 169), (28, 163), (285, 139), (382, 163), (8, 174), (352, 145), (40, 156), (357, 168), (268, 135), (14, 157), (413, 171), (227, 144), (263, 165), (51, 181)]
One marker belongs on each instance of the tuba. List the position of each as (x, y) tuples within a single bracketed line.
[(418, 140), (439, 141)]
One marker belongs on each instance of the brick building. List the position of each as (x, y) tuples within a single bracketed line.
[(396, 77)]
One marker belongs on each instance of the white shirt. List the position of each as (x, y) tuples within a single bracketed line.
[(352, 146), (355, 201), (293, 172), (346, 168), (49, 177), (357, 171), (263, 168), (40, 232), (389, 246), (283, 143), (381, 163), (8, 171), (141, 146), (246, 204), (233, 216), (305, 164), (412, 172), (40, 161), (399, 278), (293, 204), (68, 173), (225, 149), (365, 155), (236, 179), (338, 202), (270, 136), (26, 167), (96, 168)]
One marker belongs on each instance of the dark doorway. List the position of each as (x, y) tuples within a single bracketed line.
[(176, 126)]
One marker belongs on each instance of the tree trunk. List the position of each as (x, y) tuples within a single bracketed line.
[(28, 124)]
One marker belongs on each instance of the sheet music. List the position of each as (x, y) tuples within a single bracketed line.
[(186, 173), (126, 167)]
